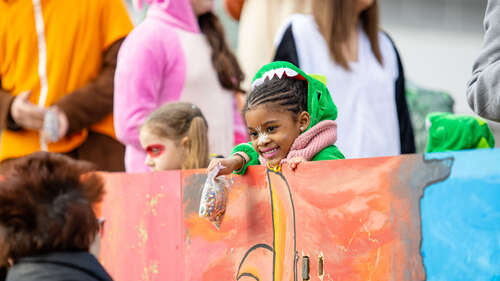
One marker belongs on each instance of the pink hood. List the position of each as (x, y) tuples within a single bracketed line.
[(178, 13)]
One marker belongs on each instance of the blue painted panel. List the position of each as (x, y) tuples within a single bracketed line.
[(461, 219)]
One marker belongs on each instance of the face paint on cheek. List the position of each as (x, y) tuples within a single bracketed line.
[(263, 137), (155, 150)]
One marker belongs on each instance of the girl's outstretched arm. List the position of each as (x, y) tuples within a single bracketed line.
[(230, 164), (243, 155), (252, 157)]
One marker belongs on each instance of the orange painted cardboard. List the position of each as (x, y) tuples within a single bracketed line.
[(332, 220)]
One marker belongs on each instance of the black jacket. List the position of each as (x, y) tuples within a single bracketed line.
[(77, 266)]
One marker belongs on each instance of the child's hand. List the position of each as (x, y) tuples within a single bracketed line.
[(294, 162), (230, 164)]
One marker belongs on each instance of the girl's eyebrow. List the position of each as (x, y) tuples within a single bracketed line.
[(264, 124), (269, 122)]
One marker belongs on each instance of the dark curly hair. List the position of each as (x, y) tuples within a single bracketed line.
[(46, 205), (286, 93)]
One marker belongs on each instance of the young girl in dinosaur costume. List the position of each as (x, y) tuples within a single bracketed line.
[(290, 118)]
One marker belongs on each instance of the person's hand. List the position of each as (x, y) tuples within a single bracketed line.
[(295, 161), (26, 114), (55, 125), (229, 164)]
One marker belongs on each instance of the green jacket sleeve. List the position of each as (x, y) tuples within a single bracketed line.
[(252, 154), (329, 153)]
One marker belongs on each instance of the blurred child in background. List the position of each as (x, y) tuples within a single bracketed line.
[(175, 136)]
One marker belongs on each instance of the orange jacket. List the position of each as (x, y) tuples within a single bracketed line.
[(64, 56)]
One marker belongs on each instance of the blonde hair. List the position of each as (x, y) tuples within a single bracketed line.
[(178, 120), (335, 19)]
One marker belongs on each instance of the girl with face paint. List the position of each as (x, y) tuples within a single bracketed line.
[(175, 136), (290, 119)]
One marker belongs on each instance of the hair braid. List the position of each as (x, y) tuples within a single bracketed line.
[(223, 60), (287, 93)]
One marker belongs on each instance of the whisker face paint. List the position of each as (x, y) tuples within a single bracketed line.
[(263, 136), (155, 150)]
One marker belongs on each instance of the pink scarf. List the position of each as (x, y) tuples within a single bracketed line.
[(311, 142)]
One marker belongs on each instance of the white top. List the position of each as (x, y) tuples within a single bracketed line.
[(365, 96), (202, 87)]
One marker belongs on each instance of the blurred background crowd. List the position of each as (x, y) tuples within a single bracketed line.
[(133, 85), (438, 40), (438, 43)]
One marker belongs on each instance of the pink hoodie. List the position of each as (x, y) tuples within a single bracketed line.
[(164, 59)]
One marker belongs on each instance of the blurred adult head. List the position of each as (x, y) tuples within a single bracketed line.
[(46, 206)]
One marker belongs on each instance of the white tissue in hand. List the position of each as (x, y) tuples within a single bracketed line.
[(51, 125)]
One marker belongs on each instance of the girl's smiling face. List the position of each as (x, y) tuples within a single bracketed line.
[(273, 131), (162, 153)]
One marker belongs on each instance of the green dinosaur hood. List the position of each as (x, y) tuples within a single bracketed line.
[(451, 132), (319, 102)]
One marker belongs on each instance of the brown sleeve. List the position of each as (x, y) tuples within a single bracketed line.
[(91, 103), (6, 121)]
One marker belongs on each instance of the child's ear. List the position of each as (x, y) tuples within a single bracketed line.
[(185, 142), (304, 119)]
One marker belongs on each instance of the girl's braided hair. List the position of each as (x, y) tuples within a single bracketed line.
[(286, 93)]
